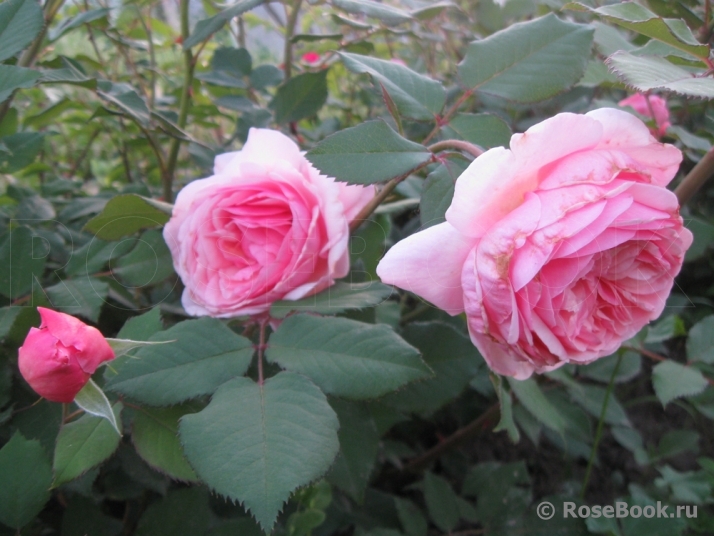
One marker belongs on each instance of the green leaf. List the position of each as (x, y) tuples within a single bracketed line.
[(344, 357), (183, 512), (129, 102), (124, 346), (533, 399), (441, 502), (258, 443), (83, 296), (93, 401), (528, 61), (389, 15), (83, 517), (20, 22), (205, 355), (700, 344), (591, 399), (506, 422), (25, 482), (12, 77), (673, 380), (67, 71), (433, 10), (229, 67), (498, 489), (638, 18), (300, 97), (340, 297), (83, 444), (20, 264), (148, 263), (438, 191), (411, 517), (126, 214), (75, 22), (359, 443), (452, 357), (416, 96), (8, 315), (601, 369), (206, 27), (155, 437), (485, 130), (142, 327), (646, 73), (22, 147), (368, 153)]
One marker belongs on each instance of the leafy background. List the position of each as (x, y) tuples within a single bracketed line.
[(378, 417)]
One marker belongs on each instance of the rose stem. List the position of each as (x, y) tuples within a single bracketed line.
[(453, 440), (261, 349), (600, 424), (461, 145), (189, 64), (695, 178), (289, 31), (382, 195)]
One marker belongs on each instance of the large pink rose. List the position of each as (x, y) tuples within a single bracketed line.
[(558, 249), (58, 359), (266, 226)]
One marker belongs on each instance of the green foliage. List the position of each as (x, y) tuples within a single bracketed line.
[(300, 97), (126, 214), (285, 423), (20, 22)]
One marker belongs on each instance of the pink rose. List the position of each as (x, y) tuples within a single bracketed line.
[(311, 58), (58, 359), (266, 227), (558, 249), (650, 106)]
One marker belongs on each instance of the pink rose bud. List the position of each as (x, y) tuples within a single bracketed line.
[(266, 226), (59, 358), (311, 58), (651, 106), (557, 249)]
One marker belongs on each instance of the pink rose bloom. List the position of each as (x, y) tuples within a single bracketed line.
[(311, 58), (58, 359), (655, 109), (559, 248), (266, 226)]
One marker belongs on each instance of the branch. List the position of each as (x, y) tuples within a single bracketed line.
[(696, 178), (464, 146)]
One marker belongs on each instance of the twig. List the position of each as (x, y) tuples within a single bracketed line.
[(453, 440), (694, 180), (189, 65), (461, 145), (85, 151), (289, 31), (600, 424), (444, 119)]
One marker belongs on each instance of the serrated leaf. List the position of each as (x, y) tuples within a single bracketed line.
[(27, 476), (75, 22), (142, 327), (124, 346), (368, 153), (673, 380), (155, 436), (205, 355), (638, 18), (441, 502), (300, 97), (20, 22), (528, 61), (148, 263), (389, 15), (129, 102), (284, 436), (83, 296), (22, 147), (126, 214), (93, 401), (700, 343), (485, 130), (20, 266), (83, 444), (206, 27), (340, 297), (416, 96), (530, 395), (647, 73), (344, 357), (12, 78)]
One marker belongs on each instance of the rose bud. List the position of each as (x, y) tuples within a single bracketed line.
[(59, 358), (652, 107), (557, 249), (267, 226)]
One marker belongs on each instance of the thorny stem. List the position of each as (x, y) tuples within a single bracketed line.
[(696, 178), (600, 424), (189, 65), (474, 427), (461, 145), (289, 31), (448, 115), (381, 196)]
